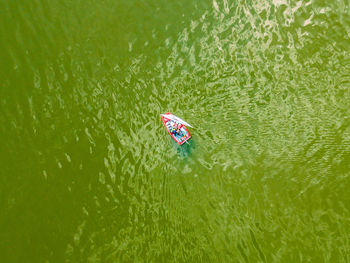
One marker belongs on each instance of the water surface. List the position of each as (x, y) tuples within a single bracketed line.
[(89, 173)]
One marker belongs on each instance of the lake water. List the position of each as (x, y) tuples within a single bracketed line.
[(89, 173)]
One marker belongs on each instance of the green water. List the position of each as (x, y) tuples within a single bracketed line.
[(89, 173)]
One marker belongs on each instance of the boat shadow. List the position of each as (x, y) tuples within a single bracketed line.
[(185, 150)]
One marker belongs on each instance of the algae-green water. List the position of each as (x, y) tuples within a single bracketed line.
[(89, 174)]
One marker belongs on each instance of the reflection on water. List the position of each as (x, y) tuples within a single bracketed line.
[(90, 174)]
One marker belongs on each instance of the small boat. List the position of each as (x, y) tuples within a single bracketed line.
[(176, 127)]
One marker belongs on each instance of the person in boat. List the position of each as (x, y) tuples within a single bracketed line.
[(176, 129)]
